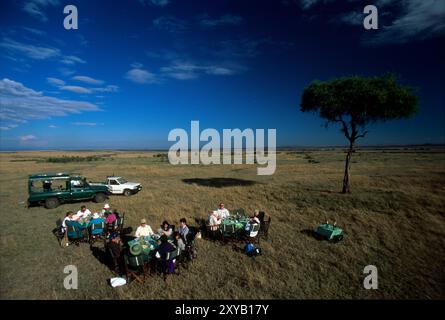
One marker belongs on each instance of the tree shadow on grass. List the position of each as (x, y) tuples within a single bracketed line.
[(219, 182)]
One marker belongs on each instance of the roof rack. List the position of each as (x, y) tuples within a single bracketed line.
[(50, 175)]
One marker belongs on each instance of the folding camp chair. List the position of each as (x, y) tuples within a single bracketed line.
[(119, 223), (97, 232), (213, 232), (228, 232), (254, 229), (74, 235), (135, 267), (264, 230)]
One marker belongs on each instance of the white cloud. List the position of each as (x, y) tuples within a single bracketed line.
[(34, 31), (19, 104), (224, 20), (417, 20), (140, 76), (87, 124), (88, 80), (66, 72), (28, 137), (108, 88), (35, 8), (187, 70), (8, 127), (137, 65), (76, 89), (55, 81), (33, 52), (52, 126), (70, 60)]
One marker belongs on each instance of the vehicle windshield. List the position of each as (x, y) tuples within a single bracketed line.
[(122, 180)]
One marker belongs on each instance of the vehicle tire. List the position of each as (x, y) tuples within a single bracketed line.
[(51, 203), (99, 197), (127, 192)]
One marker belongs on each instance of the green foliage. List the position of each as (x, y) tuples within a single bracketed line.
[(363, 100)]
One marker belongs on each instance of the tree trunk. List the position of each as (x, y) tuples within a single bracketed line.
[(347, 167)]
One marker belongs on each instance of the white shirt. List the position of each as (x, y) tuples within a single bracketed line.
[(223, 213), (84, 214), (143, 231), (214, 221), (64, 222)]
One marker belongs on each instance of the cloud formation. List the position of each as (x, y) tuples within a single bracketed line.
[(417, 20), (36, 8), (140, 76), (19, 104), (30, 51), (88, 80)]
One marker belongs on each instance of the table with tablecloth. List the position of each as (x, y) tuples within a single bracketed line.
[(148, 243), (239, 223)]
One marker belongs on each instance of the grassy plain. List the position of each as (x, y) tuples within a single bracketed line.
[(394, 219)]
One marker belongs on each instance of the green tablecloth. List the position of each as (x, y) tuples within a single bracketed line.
[(240, 223), (148, 245)]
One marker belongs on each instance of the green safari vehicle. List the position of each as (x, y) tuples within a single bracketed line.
[(52, 189)]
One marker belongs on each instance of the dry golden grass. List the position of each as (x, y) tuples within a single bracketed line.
[(394, 219)]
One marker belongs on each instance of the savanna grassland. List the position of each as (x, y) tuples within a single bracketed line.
[(393, 219)]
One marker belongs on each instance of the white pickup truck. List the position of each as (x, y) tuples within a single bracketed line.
[(118, 185)]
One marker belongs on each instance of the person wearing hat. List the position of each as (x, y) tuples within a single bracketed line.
[(110, 216), (144, 230), (97, 220), (223, 213), (106, 209)]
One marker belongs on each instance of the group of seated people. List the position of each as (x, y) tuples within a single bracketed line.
[(169, 240), (106, 217), (215, 218)]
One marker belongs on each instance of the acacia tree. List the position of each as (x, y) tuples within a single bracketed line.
[(355, 102)]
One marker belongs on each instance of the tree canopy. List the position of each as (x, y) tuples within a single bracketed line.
[(357, 101)]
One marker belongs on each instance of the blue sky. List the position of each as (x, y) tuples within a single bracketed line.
[(136, 69)]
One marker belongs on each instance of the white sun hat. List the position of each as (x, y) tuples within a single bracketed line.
[(95, 215), (106, 206)]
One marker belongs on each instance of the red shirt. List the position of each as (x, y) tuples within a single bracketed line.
[(110, 218)]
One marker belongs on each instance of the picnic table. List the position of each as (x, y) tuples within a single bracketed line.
[(84, 221), (239, 225), (239, 222), (149, 244)]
